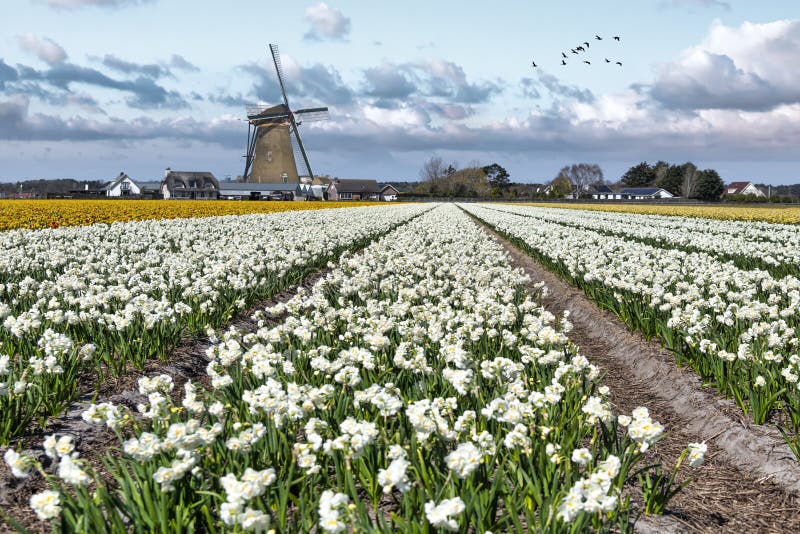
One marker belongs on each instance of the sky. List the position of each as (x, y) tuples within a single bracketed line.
[(92, 88)]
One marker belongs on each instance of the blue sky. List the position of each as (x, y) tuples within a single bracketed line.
[(89, 88)]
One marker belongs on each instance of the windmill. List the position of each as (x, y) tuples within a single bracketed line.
[(273, 140)]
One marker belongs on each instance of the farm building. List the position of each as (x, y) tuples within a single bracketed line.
[(644, 193), (742, 188), (354, 190), (255, 191), (603, 192), (189, 185), (390, 192), (124, 186)]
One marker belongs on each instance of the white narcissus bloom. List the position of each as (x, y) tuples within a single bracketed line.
[(697, 453), (19, 464), (581, 456), (442, 515), (464, 460), (46, 504)]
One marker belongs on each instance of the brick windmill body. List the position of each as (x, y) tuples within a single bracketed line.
[(274, 145)]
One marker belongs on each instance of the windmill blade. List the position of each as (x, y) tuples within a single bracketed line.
[(301, 147), (312, 114), (276, 59)]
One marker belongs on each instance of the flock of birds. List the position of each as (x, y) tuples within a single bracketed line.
[(582, 47)]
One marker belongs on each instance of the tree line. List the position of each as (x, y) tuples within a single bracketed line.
[(441, 179)]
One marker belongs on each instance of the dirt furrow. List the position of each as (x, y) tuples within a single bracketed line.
[(750, 479)]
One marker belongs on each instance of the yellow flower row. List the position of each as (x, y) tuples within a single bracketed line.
[(56, 213), (737, 213)]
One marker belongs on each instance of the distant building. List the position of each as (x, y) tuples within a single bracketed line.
[(124, 186), (256, 191), (354, 190), (644, 193), (742, 188), (603, 192), (389, 192), (189, 185)]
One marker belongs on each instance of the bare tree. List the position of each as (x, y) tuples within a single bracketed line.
[(433, 169), (690, 176), (581, 176)]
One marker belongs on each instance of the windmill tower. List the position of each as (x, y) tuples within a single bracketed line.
[(274, 145)]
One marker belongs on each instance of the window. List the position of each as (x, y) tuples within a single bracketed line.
[(345, 196), (285, 178), (269, 155)]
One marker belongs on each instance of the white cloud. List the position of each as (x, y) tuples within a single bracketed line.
[(749, 67), (45, 49), (326, 23)]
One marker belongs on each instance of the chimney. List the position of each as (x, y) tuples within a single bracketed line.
[(86, 186), (167, 171)]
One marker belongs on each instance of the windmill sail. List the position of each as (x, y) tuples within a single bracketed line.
[(275, 150)]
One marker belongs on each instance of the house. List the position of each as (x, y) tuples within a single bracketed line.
[(256, 191), (389, 192), (644, 193), (354, 190), (313, 192), (189, 185), (742, 188), (124, 186), (603, 192)]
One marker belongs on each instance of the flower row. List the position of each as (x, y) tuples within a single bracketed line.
[(736, 327), (98, 298)]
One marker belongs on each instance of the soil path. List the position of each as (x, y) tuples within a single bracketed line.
[(750, 480)]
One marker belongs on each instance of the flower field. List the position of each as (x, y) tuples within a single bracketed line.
[(723, 297), (781, 215), (57, 213), (97, 299), (417, 386)]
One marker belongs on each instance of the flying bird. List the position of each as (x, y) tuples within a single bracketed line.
[(588, 62), (533, 64), (587, 44), (563, 55), (598, 37), (619, 63), (582, 49), (608, 60), (563, 62), (616, 37), (573, 50)]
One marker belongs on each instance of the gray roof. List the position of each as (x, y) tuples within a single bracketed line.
[(603, 189), (641, 191), (356, 186), (149, 185)]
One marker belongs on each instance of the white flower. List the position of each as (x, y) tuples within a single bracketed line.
[(71, 473), (442, 515), (697, 453), (46, 504), (464, 460), (19, 464), (395, 476), (581, 456)]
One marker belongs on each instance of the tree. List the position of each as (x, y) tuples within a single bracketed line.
[(709, 185), (689, 184), (640, 175), (670, 177), (560, 186), (581, 176), (432, 170), (498, 177)]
